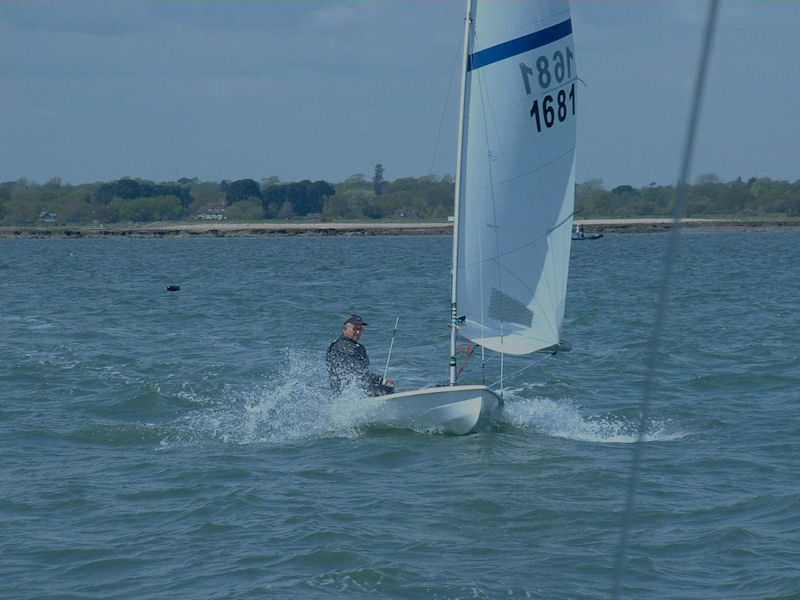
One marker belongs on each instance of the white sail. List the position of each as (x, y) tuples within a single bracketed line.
[(517, 175)]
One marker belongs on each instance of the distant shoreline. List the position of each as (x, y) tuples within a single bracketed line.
[(227, 229)]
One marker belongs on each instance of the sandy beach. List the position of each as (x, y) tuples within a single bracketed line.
[(229, 229)]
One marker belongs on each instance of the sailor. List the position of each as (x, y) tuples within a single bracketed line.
[(348, 363)]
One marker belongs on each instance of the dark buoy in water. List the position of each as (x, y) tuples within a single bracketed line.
[(173, 288)]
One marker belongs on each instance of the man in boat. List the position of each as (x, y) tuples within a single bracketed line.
[(347, 362)]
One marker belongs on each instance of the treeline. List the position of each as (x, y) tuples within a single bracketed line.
[(414, 198), (707, 197), (135, 200)]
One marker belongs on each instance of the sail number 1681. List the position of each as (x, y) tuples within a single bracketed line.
[(557, 68), (553, 109), (554, 106)]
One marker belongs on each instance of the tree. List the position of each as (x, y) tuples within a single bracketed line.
[(377, 180), (154, 208), (128, 189), (588, 187), (659, 197), (347, 204), (624, 190), (182, 193), (21, 211), (272, 198), (308, 197), (303, 198), (423, 197), (355, 181), (125, 188), (246, 210), (285, 211), (243, 189)]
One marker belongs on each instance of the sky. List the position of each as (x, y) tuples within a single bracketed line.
[(96, 90)]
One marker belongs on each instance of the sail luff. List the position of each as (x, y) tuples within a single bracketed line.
[(457, 193)]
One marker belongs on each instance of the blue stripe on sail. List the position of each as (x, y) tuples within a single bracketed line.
[(522, 44)]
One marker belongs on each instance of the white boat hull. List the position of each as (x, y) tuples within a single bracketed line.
[(453, 409)]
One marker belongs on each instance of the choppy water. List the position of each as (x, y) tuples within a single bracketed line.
[(183, 445)]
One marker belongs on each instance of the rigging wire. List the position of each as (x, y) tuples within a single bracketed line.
[(453, 71), (517, 372), (470, 349), (661, 306)]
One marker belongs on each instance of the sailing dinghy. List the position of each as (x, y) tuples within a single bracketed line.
[(514, 196)]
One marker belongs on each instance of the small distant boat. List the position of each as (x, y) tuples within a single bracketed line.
[(514, 197), (580, 235)]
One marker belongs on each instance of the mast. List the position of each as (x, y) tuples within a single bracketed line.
[(457, 200)]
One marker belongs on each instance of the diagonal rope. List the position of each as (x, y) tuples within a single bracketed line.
[(661, 307)]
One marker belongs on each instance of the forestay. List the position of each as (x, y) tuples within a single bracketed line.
[(517, 175)]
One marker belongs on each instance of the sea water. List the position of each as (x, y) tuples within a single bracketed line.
[(183, 445)]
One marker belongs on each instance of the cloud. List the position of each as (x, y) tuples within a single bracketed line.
[(91, 18)]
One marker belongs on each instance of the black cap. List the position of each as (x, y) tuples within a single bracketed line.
[(355, 320)]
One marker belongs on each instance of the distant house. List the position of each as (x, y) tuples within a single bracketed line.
[(47, 217), (213, 211)]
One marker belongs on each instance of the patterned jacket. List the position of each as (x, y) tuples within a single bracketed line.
[(348, 364)]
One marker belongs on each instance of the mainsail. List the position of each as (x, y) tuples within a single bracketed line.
[(514, 199), (516, 176)]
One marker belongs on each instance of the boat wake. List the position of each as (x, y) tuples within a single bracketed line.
[(564, 419), (296, 404)]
